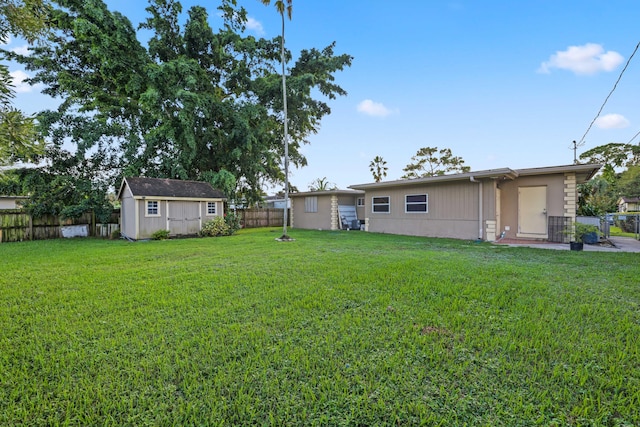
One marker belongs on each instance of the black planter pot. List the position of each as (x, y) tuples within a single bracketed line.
[(576, 246)]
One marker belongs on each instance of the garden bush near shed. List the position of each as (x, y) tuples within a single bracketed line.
[(221, 226)]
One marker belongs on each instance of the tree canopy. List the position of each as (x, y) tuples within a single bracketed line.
[(19, 137), (614, 154), (322, 184), (431, 161), (193, 103)]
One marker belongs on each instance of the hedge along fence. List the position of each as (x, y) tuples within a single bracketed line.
[(17, 225), (261, 217), (629, 222)]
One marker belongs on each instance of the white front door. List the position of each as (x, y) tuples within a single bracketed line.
[(532, 212)]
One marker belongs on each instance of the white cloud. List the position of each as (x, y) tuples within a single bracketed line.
[(18, 80), (373, 108), (255, 26), (612, 121), (588, 59), (21, 50)]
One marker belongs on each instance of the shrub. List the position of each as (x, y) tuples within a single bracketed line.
[(628, 225), (580, 232), (115, 234), (233, 221), (216, 227), (160, 235)]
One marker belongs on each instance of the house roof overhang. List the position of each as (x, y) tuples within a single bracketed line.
[(583, 174), (499, 174), (328, 193)]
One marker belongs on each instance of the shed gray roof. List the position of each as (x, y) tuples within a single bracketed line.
[(163, 187)]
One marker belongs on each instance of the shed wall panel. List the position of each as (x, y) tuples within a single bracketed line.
[(128, 215), (147, 225)]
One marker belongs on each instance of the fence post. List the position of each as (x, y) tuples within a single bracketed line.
[(30, 226)]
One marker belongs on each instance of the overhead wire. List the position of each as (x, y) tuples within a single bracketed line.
[(579, 143), (634, 137)]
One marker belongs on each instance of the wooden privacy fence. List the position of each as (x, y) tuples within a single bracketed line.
[(261, 217), (17, 225)]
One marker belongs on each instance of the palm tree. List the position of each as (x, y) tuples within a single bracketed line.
[(321, 184), (378, 168), (281, 7)]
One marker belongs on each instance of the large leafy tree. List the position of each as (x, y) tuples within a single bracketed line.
[(629, 183), (431, 161), (597, 196), (193, 104), (614, 155), (19, 137)]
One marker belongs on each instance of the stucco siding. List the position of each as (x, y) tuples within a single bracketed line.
[(452, 211), (319, 220), (509, 199)]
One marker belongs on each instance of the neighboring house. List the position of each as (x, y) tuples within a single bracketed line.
[(321, 210), (276, 202), (11, 202), (152, 204), (521, 203), (629, 204)]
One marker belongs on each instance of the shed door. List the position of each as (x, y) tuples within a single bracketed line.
[(184, 218), (532, 212)]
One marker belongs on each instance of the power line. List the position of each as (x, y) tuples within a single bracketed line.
[(634, 137), (579, 143)]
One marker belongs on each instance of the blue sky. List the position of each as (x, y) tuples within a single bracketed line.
[(500, 83)]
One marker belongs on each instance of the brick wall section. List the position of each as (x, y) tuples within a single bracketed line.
[(490, 230), (570, 195), (334, 212), (291, 212)]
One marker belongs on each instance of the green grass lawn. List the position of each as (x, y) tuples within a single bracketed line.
[(336, 328), (617, 231)]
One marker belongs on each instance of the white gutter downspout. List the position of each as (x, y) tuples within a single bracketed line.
[(479, 207)]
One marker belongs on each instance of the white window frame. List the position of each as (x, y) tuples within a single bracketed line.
[(407, 203), (209, 206), (311, 204), (374, 205), (360, 201), (147, 208)]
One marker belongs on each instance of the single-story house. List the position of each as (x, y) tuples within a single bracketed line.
[(629, 204), (11, 202), (327, 209), (535, 203), (180, 207)]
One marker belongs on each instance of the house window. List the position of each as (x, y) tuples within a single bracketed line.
[(153, 208), (211, 208), (311, 204), (416, 203), (380, 204), (360, 201)]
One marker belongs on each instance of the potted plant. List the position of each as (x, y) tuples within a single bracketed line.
[(581, 234)]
